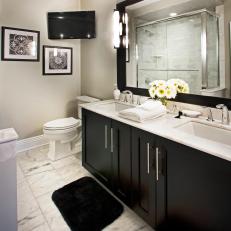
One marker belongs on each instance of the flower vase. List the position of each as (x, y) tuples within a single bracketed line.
[(163, 101)]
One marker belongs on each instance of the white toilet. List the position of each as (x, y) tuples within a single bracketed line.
[(64, 133)]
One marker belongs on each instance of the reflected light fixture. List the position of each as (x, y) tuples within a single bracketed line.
[(120, 29), (173, 14)]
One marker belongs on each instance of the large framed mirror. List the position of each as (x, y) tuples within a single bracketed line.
[(177, 39)]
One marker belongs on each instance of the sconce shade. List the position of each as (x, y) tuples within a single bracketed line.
[(120, 29)]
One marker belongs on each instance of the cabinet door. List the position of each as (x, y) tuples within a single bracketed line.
[(97, 157), (121, 149), (143, 176), (198, 189)]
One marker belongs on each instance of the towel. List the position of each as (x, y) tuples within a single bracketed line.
[(150, 105), (140, 114)]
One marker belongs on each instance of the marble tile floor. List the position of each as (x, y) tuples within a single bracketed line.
[(38, 177)]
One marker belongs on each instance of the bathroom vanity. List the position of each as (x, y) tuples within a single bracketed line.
[(170, 178), (174, 173)]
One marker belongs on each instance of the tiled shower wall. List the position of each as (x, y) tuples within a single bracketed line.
[(212, 51), (173, 50), (170, 50)]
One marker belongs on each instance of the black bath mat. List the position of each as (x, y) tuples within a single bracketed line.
[(86, 206)]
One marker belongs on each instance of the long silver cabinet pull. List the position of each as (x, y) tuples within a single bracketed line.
[(148, 158), (105, 134), (111, 139), (157, 163)]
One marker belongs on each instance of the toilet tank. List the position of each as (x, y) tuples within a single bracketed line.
[(83, 100)]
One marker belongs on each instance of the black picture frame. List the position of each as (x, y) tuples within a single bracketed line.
[(5, 45), (208, 101), (68, 70)]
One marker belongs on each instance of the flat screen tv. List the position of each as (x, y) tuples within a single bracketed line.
[(71, 25)]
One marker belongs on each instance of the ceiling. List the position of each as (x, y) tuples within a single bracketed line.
[(158, 9)]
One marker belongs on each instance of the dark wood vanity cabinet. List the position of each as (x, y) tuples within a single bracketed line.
[(171, 186), (121, 160), (97, 157), (107, 152), (148, 177), (198, 190)]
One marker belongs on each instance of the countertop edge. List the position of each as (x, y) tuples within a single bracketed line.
[(212, 148)]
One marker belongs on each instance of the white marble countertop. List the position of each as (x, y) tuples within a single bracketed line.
[(165, 127)]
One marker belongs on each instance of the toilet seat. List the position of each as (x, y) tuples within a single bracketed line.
[(64, 135), (62, 124)]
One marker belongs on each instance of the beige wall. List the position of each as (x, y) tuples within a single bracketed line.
[(98, 57), (28, 99), (227, 7)]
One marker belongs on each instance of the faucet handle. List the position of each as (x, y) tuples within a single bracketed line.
[(225, 113), (128, 96), (220, 106), (138, 100)]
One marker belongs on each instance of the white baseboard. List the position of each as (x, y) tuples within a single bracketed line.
[(30, 143)]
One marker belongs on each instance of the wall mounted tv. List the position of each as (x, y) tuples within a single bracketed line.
[(71, 25)]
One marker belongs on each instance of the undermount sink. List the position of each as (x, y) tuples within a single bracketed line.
[(206, 131), (114, 107)]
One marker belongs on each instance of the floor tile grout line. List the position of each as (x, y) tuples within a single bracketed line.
[(38, 172), (57, 173), (44, 216), (36, 198), (25, 176), (39, 207)]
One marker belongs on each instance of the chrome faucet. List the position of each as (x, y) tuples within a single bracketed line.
[(130, 94), (225, 113), (138, 100), (210, 115)]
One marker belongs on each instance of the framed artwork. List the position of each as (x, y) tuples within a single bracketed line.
[(57, 60), (20, 44)]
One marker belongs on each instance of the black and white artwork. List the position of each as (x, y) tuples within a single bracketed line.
[(57, 60), (20, 44)]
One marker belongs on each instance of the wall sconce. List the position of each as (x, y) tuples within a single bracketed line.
[(120, 39)]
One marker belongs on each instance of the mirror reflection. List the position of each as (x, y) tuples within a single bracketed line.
[(178, 39)]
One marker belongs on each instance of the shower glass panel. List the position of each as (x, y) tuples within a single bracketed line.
[(212, 51), (152, 60), (173, 49), (184, 50)]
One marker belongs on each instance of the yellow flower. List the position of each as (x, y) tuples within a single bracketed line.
[(180, 85), (161, 92), (161, 83), (171, 92), (185, 89), (152, 92)]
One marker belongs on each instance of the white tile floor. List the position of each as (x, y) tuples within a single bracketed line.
[(38, 177)]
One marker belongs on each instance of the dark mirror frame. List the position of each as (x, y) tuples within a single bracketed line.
[(184, 98)]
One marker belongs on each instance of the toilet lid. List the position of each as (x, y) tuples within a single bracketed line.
[(62, 123)]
